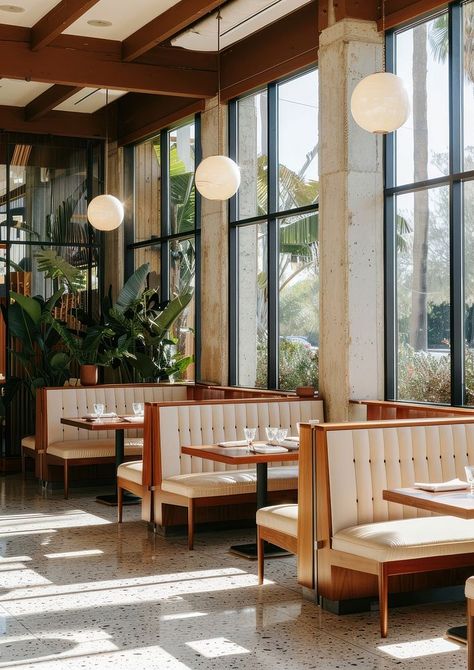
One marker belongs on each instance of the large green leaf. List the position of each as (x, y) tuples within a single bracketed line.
[(145, 365), (173, 309), (132, 288), (56, 267), (30, 305)]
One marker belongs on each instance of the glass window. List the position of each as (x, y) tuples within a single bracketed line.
[(430, 226), (275, 339), (181, 179), (147, 196)]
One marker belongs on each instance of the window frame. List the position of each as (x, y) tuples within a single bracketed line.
[(272, 218), (166, 237), (454, 180)]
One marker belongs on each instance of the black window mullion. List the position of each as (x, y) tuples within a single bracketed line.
[(273, 243), (128, 224), (233, 254), (390, 297), (456, 205)]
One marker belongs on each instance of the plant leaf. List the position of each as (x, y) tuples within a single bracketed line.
[(132, 288), (30, 305)]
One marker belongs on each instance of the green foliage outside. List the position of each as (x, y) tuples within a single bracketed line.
[(299, 366)]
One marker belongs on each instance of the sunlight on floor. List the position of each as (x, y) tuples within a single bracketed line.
[(216, 647), (419, 648), (76, 554)]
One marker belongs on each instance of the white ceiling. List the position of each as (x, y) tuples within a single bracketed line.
[(126, 17), (88, 100), (239, 19), (34, 11), (18, 93)]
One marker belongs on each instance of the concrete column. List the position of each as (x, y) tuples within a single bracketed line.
[(351, 224), (214, 262), (114, 240)]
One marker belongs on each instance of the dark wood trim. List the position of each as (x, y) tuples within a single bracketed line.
[(282, 48), (48, 100), (399, 12), (306, 508), (392, 409), (83, 68), (60, 17), (169, 23), (55, 123)]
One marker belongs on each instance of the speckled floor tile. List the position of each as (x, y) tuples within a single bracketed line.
[(79, 591)]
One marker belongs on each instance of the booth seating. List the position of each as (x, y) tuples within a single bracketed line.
[(469, 593), (359, 532), (192, 482), (277, 524)]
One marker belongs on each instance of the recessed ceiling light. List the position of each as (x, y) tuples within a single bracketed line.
[(13, 9), (99, 24)]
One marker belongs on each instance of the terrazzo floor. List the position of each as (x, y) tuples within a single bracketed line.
[(77, 591)]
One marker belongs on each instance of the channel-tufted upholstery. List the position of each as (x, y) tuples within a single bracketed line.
[(378, 536), (283, 518), (185, 480)]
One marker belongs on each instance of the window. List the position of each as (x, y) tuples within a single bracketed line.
[(164, 228), (430, 214), (274, 262)]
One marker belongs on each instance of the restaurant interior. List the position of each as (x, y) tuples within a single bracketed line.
[(237, 334)]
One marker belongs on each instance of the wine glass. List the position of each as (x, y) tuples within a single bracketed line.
[(250, 434), (99, 409), (281, 434), (138, 408), (271, 434), (469, 469)]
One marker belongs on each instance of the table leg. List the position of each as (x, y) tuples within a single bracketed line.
[(128, 498), (250, 550)]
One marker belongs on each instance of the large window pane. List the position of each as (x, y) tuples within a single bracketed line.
[(422, 144), (252, 154), (469, 290), (147, 196), (423, 295), (468, 85), (181, 179), (298, 141), (299, 299), (253, 306), (182, 280)]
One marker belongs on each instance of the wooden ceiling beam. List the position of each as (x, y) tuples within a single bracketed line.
[(76, 68), (61, 16), (167, 24), (54, 123), (48, 100)]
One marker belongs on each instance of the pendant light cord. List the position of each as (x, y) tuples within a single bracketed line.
[(106, 166), (219, 19), (383, 36)]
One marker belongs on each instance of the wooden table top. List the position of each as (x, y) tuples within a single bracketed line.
[(237, 455), (453, 503), (103, 424)]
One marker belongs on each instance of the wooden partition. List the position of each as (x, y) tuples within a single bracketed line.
[(391, 409)]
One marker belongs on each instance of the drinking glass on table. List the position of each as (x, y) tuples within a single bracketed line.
[(138, 408), (250, 434), (99, 409), (271, 434), (281, 434), (469, 469)]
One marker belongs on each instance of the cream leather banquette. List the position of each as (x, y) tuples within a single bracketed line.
[(191, 482), (58, 444), (358, 530)]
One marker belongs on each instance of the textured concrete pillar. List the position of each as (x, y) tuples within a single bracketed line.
[(214, 263), (351, 224)]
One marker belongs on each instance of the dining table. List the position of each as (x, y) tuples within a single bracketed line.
[(242, 455), (119, 425), (458, 503)]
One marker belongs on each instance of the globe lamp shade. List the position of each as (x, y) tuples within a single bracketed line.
[(217, 178), (105, 212), (379, 103)]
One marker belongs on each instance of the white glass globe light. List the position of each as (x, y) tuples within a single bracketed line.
[(105, 212), (379, 103), (217, 178)]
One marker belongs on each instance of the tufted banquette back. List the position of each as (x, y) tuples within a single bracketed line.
[(370, 457), (210, 422), (73, 401)]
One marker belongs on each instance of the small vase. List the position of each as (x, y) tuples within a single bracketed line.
[(305, 391), (89, 375)]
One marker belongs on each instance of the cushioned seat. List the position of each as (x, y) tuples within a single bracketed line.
[(28, 442), (404, 539), (469, 588), (98, 448), (131, 471), (283, 518), (229, 482)]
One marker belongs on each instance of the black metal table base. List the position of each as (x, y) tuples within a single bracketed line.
[(458, 633), (250, 551), (111, 499)]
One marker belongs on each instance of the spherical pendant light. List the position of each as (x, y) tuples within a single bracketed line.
[(379, 103), (217, 178), (105, 212)]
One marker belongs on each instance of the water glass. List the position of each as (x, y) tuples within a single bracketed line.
[(271, 434), (281, 434), (138, 408), (470, 477), (99, 409), (250, 434)]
